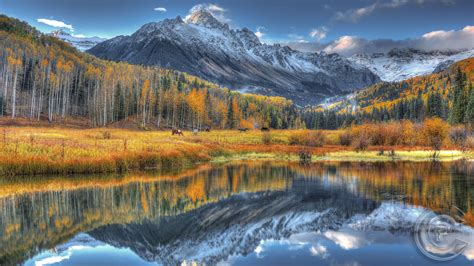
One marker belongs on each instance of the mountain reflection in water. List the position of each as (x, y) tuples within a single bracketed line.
[(240, 213)]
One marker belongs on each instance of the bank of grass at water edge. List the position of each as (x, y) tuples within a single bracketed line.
[(48, 150), (353, 156)]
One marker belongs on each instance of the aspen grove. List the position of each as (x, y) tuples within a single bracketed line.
[(42, 77)]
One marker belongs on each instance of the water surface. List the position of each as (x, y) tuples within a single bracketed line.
[(270, 213)]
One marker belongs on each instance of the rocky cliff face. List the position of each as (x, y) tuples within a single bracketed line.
[(203, 46)]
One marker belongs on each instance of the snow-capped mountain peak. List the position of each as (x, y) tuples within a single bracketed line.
[(204, 18), (204, 46)]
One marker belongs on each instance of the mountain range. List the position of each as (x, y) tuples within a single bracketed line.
[(402, 64), (203, 46), (82, 43)]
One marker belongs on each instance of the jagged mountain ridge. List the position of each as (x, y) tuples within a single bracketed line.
[(81, 43), (203, 46), (402, 64)]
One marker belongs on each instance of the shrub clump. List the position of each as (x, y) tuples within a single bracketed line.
[(266, 138), (308, 138), (458, 136), (345, 138), (360, 143), (435, 132), (106, 134)]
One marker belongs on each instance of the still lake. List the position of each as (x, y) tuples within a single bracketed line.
[(246, 213)]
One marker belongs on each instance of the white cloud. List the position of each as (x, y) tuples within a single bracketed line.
[(55, 23), (295, 36), (160, 9), (216, 11), (52, 260), (78, 35), (319, 33), (444, 40), (354, 15), (319, 251), (216, 8), (260, 32), (436, 40), (346, 240), (345, 45)]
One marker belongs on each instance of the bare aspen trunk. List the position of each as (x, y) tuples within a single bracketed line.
[(5, 91), (15, 78)]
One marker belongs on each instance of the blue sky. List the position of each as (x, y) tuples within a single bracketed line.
[(317, 21)]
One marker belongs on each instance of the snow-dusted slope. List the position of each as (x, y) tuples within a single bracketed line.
[(203, 46), (401, 64), (80, 42)]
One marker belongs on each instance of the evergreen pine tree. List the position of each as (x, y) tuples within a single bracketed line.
[(456, 114), (469, 116)]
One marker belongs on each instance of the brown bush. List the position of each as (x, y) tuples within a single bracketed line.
[(308, 138), (458, 136), (266, 138), (296, 138), (393, 133), (360, 143), (106, 134), (376, 134), (470, 142), (383, 134), (345, 138)]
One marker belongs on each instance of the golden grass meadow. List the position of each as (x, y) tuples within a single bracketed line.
[(33, 150)]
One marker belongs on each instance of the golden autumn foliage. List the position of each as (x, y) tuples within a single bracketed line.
[(435, 132), (59, 83), (379, 97), (431, 133)]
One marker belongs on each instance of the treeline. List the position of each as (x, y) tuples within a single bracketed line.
[(450, 97), (42, 77)]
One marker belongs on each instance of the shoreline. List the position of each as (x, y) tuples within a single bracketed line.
[(352, 156)]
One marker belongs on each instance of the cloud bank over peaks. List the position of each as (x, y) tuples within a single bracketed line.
[(436, 40)]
